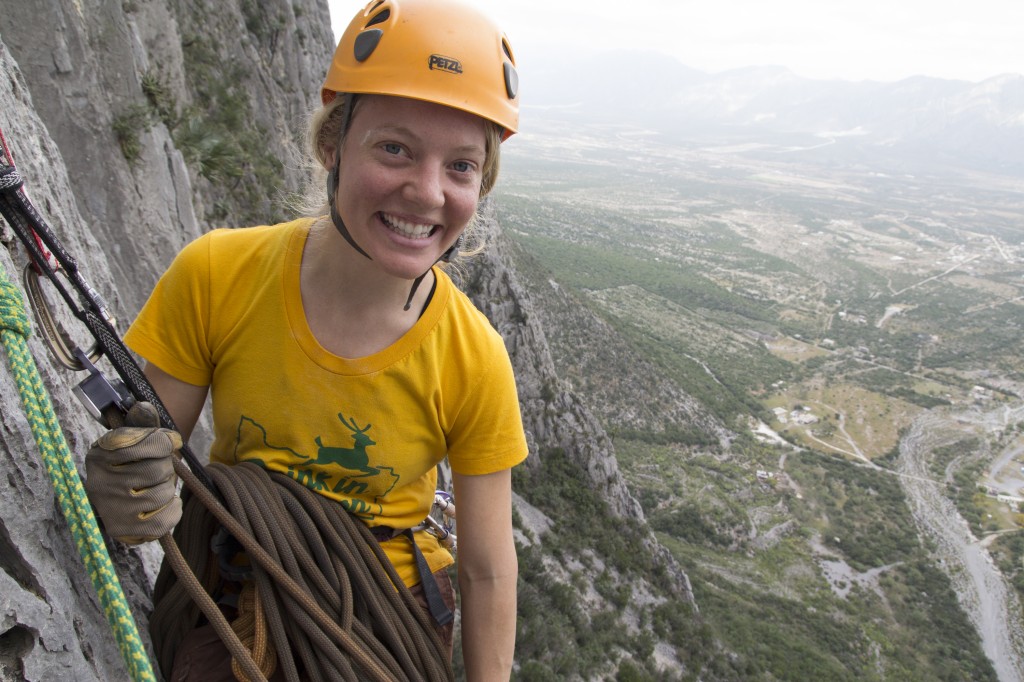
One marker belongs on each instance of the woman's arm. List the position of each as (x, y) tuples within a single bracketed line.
[(183, 401), (488, 570)]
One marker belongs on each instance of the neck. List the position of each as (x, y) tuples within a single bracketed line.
[(332, 270)]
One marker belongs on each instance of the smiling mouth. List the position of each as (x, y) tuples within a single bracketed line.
[(406, 228)]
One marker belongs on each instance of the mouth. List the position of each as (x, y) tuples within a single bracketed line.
[(406, 228)]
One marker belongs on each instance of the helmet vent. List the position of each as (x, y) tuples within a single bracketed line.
[(366, 43), (507, 49), (379, 18), (511, 81)]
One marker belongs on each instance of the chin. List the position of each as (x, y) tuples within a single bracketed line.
[(408, 270)]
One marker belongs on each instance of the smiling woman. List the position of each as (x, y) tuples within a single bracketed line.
[(408, 182), (329, 364)]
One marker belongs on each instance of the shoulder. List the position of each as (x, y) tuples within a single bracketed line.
[(472, 348), (246, 241), (469, 325), (240, 249)]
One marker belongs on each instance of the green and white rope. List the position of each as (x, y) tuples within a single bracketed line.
[(14, 332)]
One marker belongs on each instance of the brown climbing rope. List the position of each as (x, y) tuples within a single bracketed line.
[(251, 628), (326, 592)]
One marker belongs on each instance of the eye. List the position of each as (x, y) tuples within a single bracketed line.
[(392, 148), (462, 167)]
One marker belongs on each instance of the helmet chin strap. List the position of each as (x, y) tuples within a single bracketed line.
[(339, 224), (332, 176), (446, 257)]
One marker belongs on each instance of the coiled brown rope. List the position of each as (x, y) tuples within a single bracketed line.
[(327, 591), (252, 631), (242, 660)]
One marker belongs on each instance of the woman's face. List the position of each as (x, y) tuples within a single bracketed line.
[(409, 180)]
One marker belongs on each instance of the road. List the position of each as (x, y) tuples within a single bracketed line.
[(1006, 475), (984, 594)]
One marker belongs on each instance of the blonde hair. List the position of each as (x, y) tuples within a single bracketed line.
[(326, 131)]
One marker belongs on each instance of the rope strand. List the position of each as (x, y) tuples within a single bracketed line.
[(67, 485), (347, 618)]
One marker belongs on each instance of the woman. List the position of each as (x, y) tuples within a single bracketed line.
[(335, 349)]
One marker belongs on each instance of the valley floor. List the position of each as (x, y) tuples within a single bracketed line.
[(989, 602)]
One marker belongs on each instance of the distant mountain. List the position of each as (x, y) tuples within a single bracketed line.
[(934, 120)]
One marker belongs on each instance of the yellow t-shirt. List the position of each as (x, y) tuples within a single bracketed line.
[(367, 432)]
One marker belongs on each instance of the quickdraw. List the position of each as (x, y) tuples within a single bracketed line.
[(106, 401), (60, 344)]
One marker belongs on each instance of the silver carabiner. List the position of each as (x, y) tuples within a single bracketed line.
[(57, 340)]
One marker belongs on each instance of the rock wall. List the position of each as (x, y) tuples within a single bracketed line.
[(554, 416), (94, 69), (51, 624)]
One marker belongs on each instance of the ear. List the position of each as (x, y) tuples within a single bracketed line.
[(330, 158)]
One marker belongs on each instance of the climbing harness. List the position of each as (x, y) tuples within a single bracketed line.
[(352, 618)]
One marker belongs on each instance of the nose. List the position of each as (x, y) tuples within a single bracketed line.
[(425, 186)]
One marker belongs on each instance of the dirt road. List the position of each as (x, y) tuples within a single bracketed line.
[(989, 602)]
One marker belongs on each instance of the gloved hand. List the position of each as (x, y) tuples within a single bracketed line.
[(130, 477)]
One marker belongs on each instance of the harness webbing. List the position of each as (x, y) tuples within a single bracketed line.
[(74, 504)]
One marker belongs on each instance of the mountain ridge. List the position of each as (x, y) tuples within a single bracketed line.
[(978, 123)]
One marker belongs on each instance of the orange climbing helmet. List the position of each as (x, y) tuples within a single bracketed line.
[(439, 51)]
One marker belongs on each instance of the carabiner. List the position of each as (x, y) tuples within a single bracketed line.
[(56, 338)]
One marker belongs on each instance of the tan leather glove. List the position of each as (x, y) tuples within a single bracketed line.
[(130, 477)]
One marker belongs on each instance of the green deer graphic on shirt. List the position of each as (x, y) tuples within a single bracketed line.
[(355, 478), (353, 458)]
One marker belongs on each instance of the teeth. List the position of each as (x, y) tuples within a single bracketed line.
[(407, 229)]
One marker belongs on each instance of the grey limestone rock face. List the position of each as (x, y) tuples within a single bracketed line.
[(70, 69), (51, 623)]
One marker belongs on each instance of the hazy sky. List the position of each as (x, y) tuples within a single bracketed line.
[(869, 39)]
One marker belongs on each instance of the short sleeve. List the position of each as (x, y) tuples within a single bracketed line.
[(172, 329), (487, 435)]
